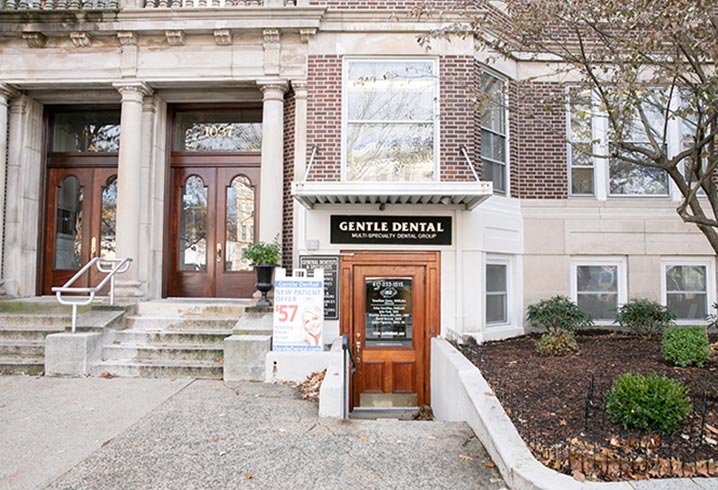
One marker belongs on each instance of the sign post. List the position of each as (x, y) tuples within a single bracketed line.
[(298, 311)]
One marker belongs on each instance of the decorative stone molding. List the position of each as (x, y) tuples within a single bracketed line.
[(273, 89), (272, 51), (133, 91), (223, 37), (19, 105), (175, 38), (307, 35), (300, 89), (150, 104), (7, 92), (34, 39), (80, 39), (127, 38), (271, 35)]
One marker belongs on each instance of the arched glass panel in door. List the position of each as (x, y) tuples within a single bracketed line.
[(240, 223), (68, 228), (193, 226), (108, 219)]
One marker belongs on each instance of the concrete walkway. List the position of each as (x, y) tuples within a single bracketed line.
[(161, 434)]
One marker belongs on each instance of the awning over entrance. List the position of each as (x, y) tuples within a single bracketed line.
[(466, 195)]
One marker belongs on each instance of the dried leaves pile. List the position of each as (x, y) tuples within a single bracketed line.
[(620, 459), (309, 388)]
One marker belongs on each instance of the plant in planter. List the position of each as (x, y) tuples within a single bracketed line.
[(264, 257)]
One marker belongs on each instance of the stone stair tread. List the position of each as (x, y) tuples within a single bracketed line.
[(59, 316), (21, 360), (159, 363), (25, 327), (21, 343), (184, 318), (136, 330), (197, 347)]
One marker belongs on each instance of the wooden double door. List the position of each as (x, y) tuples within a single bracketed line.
[(80, 223), (390, 310), (213, 217)]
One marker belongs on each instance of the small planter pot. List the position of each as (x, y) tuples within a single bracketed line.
[(264, 282)]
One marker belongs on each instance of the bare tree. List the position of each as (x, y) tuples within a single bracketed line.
[(647, 63)]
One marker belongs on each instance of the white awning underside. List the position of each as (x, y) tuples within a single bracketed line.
[(466, 195)]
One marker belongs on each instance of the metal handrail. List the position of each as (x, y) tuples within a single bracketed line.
[(463, 151), (346, 348), (121, 266), (315, 148)]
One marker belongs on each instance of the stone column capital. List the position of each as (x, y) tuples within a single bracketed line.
[(7, 92), (273, 89), (300, 88), (132, 91)]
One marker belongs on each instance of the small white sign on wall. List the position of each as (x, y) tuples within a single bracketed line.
[(298, 311)]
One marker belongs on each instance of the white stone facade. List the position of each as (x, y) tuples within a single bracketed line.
[(144, 61)]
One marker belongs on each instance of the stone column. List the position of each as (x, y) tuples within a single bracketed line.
[(272, 171), (129, 174), (300, 161), (6, 93)]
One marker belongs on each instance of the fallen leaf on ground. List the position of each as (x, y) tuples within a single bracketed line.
[(464, 457), (489, 464), (215, 439), (578, 476), (362, 437), (489, 393), (106, 374), (249, 476), (712, 429)]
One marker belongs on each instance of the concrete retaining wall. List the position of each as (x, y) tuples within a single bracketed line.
[(460, 393)]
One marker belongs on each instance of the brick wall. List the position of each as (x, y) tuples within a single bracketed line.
[(540, 146), (288, 205), (457, 123), (324, 116), (457, 75)]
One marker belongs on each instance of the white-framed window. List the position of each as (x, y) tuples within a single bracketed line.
[(497, 288), (494, 131), (580, 142), (632, 179), (390, 130), (599, 286), (588, 134), (687, 288)]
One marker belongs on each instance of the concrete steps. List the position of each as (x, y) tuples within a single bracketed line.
[(173, 338), (163, 322), (22, 340), (161, 369)]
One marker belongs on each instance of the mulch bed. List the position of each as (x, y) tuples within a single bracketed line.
[(558, 406)]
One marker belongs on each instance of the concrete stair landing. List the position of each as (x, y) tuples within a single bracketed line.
[(172, 338)]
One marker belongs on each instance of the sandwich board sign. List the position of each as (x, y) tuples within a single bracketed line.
[(298, 311)]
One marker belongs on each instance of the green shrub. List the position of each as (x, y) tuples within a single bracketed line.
[(644, 317), (648, 403), (263, 253), (686, 346), (557, 314), (557, 343)]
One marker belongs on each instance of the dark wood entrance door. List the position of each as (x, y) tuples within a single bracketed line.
[(80, 223), (390, 310), (213, 217)]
